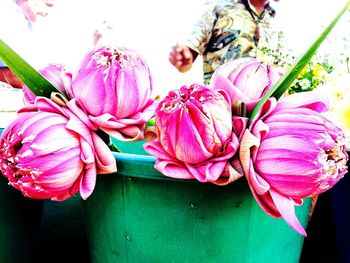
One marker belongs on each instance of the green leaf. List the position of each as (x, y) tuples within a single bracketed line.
[(29, 76), (278, 89)]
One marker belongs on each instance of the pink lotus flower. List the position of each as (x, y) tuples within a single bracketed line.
[(194, 136), (245, 80), (50, 153), (291, 152), (115, 86), (57, 75)]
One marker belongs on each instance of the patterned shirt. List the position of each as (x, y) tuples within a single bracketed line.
[(228, 31)]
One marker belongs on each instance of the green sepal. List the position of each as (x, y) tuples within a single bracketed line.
[(151, 122), (113, 147)]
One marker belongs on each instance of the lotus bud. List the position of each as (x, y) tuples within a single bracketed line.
[(291, 152), (245, 80), (50, 153), (114, 85), (194, 135)]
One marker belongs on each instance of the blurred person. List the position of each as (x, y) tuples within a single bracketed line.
[(34, 9), (227, 30), (19, 17), (104, 35)]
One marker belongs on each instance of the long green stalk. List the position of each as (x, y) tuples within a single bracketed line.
[(279, 88), (29, 76)]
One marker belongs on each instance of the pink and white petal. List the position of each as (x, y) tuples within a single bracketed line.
[(105, 160), (77, 108), (221, 82), (89, 88), (47, 105), (127, 134), (173, 169), (266, 203), (265, 111), (314, 100), (107, 121), (41, 123), (260, 185), (287, 166), (294, 186), (155, 149), (133, 133), (47, 163), (150, 133), (248, 142), (239, 125), (308, 154), (208, 172), (285, 206), (87, 153), (88, 182), (146, 113), (228, 151), (46, 141), (228, 176), (253, 75), (76, 125), (254, 180), (186, 139)]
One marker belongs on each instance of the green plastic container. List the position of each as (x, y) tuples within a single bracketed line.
[(138, 215), (20, 220), (32, 231)]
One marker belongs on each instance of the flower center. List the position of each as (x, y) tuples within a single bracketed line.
[(106, 58), (179, 98), (334, 162), (8, 162)]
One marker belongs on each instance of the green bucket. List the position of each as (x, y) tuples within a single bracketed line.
[(138, 215), (31, 231), (20, 220)]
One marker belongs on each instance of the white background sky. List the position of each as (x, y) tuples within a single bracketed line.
[(153, 26)]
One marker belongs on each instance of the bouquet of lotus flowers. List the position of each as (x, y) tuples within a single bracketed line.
[(57, 145), (287, 152), (242, 126)]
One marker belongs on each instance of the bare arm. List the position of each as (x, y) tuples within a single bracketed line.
[(182, 57), (7, 76)]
